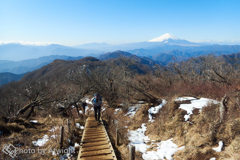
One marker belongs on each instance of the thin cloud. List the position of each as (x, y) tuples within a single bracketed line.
[(217, 41), (27, 43)]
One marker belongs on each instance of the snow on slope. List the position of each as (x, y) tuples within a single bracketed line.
[(155, 110), (219, 148), (195, 103), (41, 142), (138, 139), (164, 38), (132, 110), (165, 148)]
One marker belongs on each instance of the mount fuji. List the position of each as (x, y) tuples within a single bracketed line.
[(168, 38), (164, 38)]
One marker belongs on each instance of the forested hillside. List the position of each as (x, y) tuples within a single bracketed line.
[(124, 82)]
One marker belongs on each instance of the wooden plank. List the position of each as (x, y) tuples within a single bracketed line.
[(89, 132), (99, 132), (95, 137), (79, 153), (109, 156), (94, 125), (95, 148), (95, 140), (91, 125), (91, 144), (95, 133), (94, 130), (95, 153)]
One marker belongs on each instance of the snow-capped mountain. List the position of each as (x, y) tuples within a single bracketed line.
[(168, 38), (164, 38)]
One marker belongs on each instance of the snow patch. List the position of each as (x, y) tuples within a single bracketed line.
[(68, 152), (41, 142), (86, 108), (76, 144), (89, 101), (155, 110), (219, 148), (132, 110), (33, 121), (195, 104), (53, 136), (138, 139), (103, 109), (165, 150), (79, 126), (118, 110), (185, 98), (54, 129)]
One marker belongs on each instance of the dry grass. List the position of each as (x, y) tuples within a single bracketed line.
[(200, 135), (232, 152), (22, 136)]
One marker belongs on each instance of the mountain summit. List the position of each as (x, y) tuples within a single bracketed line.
[(164, 37)]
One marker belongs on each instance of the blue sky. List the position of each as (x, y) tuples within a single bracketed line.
[(74, 22)]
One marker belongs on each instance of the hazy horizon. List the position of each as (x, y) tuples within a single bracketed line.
[(72, 23)]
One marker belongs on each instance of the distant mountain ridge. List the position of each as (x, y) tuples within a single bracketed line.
[(160, 45), (9, 77), (143, 64), (19, 67), (119, 54), (18, 52), (116, 54)]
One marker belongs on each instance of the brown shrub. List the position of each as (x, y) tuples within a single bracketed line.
[(194, 154)]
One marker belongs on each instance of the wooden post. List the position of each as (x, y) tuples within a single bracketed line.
[(117, 137), (61, 133), (131, 152), (76, 105), (69, 125), (108, 119), (74, 122)]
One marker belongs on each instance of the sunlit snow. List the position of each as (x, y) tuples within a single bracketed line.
[(164, 37), (195, 104), (132, 110), (79, 126), (33, 121), (155, 110), (41, 142), (165, 148), (219, 148), (138, 138), (117, 110)]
